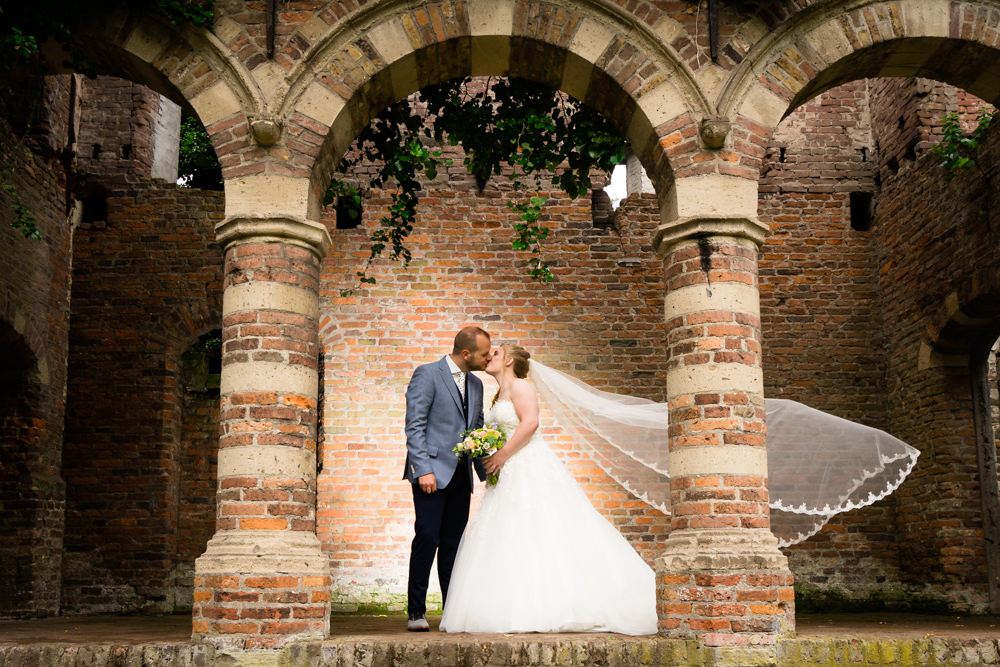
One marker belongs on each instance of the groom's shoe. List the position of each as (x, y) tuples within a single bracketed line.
[(417, 624)]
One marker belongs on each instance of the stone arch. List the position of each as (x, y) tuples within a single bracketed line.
[(951, 41), (591, 52), (189, 65), (22, 500), (966, 320)]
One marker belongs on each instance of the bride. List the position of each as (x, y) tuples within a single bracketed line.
[(574, 571), (537, 556)]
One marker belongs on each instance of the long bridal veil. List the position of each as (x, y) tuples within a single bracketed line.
[(818, 465)]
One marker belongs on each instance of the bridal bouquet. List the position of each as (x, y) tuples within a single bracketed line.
[(481, 442)]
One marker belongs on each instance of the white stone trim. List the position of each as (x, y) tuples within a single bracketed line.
[(265, 195), (266, 461), (239, 552), (711, 196), (591, 40), (490, 17), (829, 41), (926, 18), (320, 103), (762, 106), (270, 296), (269, 376), (717, 378), (735, 297), (662, 104), (390, 40), (719, 460), (216, 103)]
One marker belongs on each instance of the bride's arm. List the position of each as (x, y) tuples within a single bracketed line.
[(522, 395)]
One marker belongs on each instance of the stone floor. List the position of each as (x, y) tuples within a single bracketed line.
[(128, 630)]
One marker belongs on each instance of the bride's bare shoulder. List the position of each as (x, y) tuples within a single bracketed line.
[(520, 387)]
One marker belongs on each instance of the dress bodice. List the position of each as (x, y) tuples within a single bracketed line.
[(503, 413)]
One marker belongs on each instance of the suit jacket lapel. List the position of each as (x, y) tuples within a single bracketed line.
[(449, 382)]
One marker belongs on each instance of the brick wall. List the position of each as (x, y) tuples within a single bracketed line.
[(930, 229), (845, 312), (602, 319), (34, 325), (117, 127), (146, 285), (842, 313), (822, 334), (199, 446)]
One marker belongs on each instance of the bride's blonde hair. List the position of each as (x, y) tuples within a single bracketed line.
[(521, 363)]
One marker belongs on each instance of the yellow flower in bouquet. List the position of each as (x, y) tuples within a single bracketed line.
[(481, 442)]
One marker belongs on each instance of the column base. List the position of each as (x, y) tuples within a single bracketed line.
[(261, 590), (725, 588)]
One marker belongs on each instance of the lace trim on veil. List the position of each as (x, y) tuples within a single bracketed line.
[(819, 465)]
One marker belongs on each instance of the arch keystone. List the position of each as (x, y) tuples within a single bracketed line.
[(927, 18), (490, 17), (216, 103)]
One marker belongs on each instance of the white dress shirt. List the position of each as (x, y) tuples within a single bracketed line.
[(458, 374)]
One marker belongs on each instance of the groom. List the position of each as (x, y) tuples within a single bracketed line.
[(443, 399)]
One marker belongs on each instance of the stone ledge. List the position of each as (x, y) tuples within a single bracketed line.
[(542, 651)]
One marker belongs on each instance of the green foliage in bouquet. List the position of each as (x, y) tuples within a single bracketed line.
[(483, 442)]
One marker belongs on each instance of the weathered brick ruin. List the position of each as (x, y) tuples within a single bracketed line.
[(127, 443)]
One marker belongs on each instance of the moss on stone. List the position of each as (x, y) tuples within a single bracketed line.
[(814, 600)]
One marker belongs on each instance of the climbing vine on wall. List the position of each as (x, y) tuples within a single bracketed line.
[(518, 129), (957, 150)]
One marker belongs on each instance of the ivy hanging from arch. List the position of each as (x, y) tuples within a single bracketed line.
[(514, 128)]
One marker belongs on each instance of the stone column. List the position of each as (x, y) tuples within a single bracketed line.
[(721, 579), (264, 580)]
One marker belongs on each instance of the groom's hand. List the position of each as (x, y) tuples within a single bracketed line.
[(428, 483)]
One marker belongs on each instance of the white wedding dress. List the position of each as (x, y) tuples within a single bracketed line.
[(537, 556)]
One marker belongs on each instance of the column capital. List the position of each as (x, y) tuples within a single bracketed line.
[(692, 228), (293, 230)]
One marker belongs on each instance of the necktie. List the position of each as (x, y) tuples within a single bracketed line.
[(460, 381)]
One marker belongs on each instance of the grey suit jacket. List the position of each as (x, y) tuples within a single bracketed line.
[(434, 422)]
